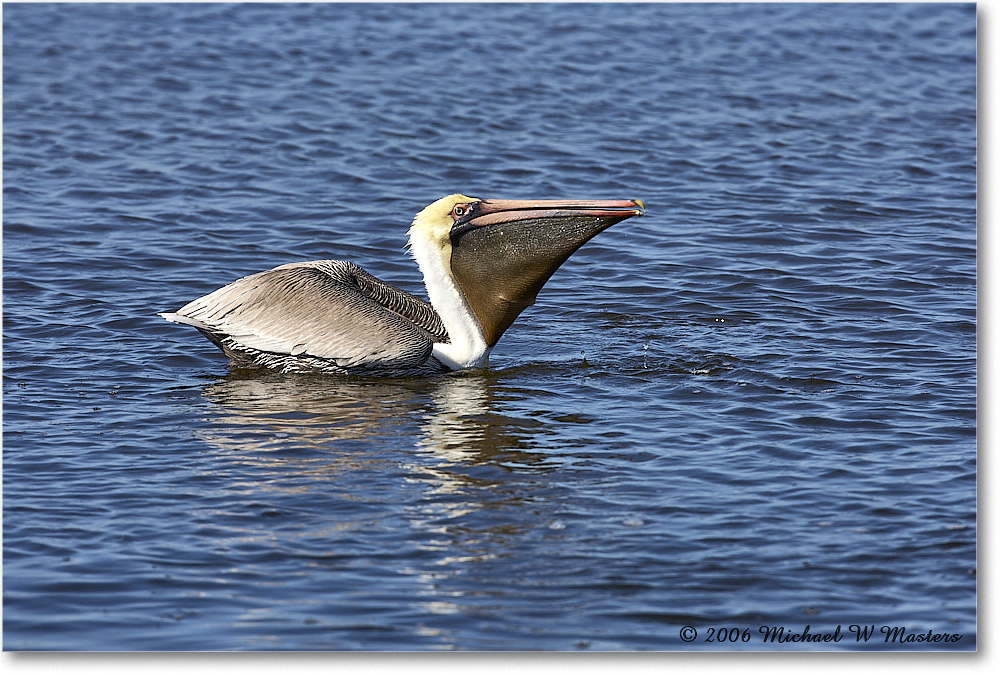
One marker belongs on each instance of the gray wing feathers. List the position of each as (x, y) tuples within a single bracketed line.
[(329, 309)]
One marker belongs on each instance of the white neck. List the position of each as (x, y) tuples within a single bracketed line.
[(468, 348)]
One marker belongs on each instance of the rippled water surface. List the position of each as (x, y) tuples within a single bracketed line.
[(753, 407)]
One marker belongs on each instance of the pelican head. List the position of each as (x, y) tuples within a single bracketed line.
[(496, 254)]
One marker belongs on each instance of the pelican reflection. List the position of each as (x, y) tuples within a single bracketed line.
[(429, 472), (316, 420)]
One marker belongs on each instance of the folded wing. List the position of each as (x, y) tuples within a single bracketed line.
[(330, 310)]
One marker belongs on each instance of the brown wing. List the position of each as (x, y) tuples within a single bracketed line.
[(329, 309)]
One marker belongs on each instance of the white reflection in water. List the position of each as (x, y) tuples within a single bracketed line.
[(451, 419)]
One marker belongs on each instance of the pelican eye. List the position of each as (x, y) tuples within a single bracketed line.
[(461, 210)]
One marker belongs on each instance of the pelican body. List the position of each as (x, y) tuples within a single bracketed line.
[(483, 262)]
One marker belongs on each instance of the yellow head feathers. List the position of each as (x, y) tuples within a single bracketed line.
[(434, 222)]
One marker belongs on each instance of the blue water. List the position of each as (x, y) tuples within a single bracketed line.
[(753, 407)]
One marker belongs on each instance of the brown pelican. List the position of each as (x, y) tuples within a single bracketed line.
[(483, 261)]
